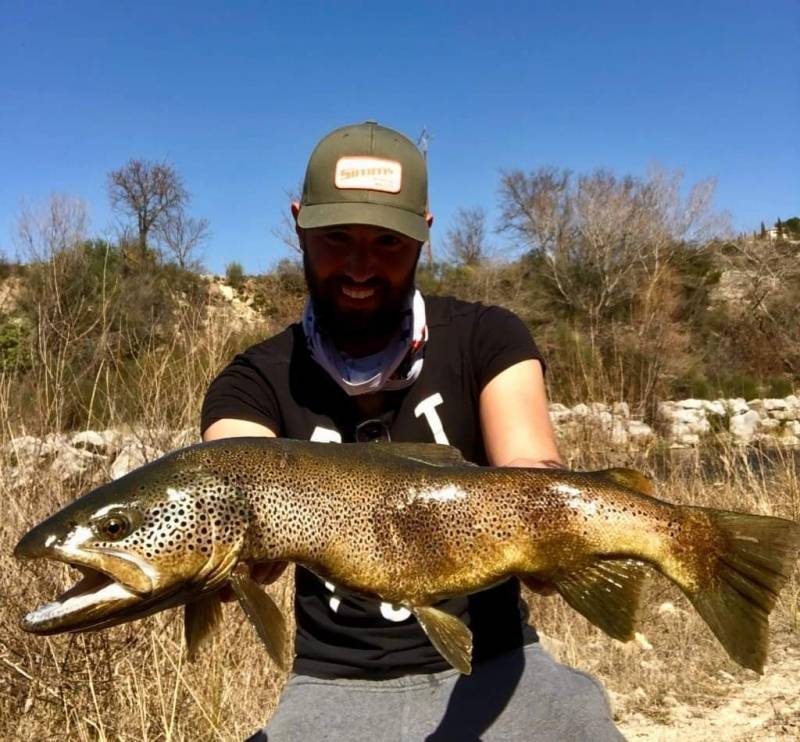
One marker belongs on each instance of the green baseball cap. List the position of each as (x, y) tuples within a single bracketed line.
[(366, 174)]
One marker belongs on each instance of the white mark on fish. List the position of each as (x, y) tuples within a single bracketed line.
[(76, 538), (174, 495), (575, 499), (446, 493), (107, 509), (50, 540)]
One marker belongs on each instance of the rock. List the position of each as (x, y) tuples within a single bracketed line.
[(775, 404), (769, 424), (743, 427), (757, 405), (641, 640), (792, 428), (131, 457), (736, 406), (559, 413), (70, 462), (688, 439), (667, 608), (91, 440), (621, 409), (639, 431), (619, 433), (692, 404), (26, 447), (597, 408), (715, 407), (580, 410)]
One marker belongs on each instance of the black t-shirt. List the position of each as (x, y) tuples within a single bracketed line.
[(277, 383)]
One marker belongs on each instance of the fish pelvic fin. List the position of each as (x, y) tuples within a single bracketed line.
[(739, 591), (264, 614), (448, 634), (200, 619), (606, 592)]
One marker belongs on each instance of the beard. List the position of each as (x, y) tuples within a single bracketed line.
[(345, 323)]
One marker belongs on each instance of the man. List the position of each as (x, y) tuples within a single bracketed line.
[(372, 359)]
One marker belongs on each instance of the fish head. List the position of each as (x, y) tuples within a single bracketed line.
[(158, 537)]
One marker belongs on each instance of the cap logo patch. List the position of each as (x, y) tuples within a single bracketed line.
[(369, 173)]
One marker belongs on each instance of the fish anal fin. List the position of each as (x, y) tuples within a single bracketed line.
[(264, 614), (448, 634), (630, 478), (606, 592), (200, 618), (434, 454)]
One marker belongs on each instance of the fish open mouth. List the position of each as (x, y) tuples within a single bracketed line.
[(85, 605)]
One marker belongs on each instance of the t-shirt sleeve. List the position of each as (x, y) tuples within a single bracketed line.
[(501, 340), (241, 392)]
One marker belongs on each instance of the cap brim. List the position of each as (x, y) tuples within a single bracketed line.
[(378, 215)]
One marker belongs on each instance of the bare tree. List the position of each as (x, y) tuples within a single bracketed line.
[(465, 242), (51, 228), (181, 236), (149, 192), (286, 231), (602, 236)]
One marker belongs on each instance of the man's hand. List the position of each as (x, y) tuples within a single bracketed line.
[(264, 573)]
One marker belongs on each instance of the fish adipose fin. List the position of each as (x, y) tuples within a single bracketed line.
[(607, 593), (448, 634), (757, 560), (200, 618), (264, 614)]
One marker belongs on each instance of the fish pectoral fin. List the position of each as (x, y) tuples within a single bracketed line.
[(448, 634), (200, 618), (630, 478), (264, 614), (607, 593)]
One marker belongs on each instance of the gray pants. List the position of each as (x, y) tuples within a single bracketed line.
[(522, 695)]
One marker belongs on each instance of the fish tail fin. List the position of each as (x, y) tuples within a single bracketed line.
[(737, 584)]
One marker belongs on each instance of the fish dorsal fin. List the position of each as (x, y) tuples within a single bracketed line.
[(434, 454), (200, 618), (606, 592), (448, 634), (630, 478), (264, 614)]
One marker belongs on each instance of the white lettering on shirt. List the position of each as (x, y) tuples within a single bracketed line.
[(394, 612), (326, 435), (428, 408)]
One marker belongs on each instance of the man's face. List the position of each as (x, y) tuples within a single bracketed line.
[(359, 277)]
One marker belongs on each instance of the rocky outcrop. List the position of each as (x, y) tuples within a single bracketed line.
[(776, 421), (109, 454)]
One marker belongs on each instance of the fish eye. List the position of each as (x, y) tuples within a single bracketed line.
[(113, 527)]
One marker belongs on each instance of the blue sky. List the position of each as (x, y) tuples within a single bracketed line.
[(236, 94)]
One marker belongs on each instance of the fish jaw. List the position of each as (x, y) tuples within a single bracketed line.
[(111, 582)]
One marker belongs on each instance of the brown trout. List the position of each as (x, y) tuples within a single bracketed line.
[(410, 524)]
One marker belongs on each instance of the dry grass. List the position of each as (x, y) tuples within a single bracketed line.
[(133, 683)]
